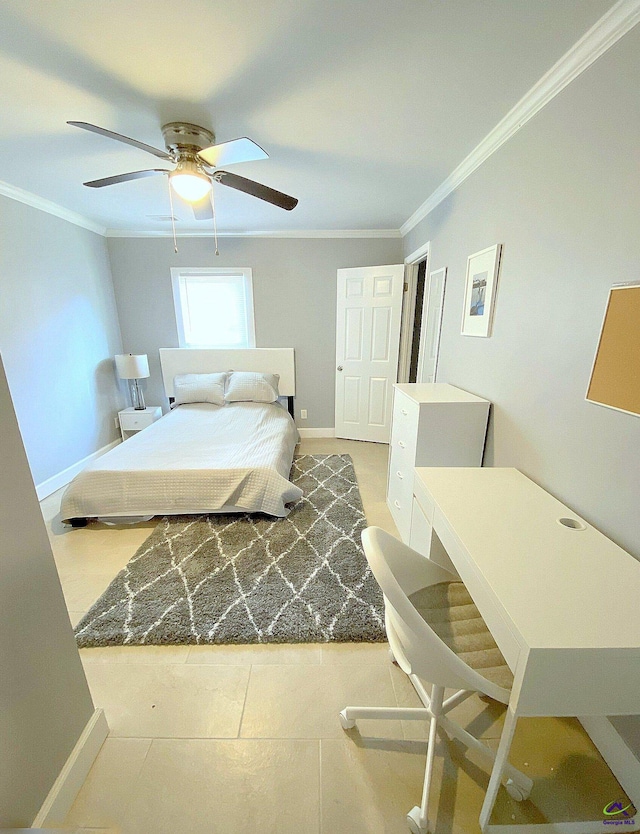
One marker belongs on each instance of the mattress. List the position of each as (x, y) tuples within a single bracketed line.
[(198, 458)]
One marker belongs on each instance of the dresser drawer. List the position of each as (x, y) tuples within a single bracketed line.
[(406, 414), (405, 411), (399, 472), (404, 441), (402, 458), (400, 468)]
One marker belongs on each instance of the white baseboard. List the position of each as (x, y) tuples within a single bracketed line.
[(71, 778), (67, 475), (316, 432), (613, 749)]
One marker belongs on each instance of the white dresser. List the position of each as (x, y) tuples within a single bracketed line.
[(433, 424)]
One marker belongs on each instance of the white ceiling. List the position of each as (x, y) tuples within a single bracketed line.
[(365, 106)]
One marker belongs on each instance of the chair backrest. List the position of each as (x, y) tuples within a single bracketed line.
[(400, 572)]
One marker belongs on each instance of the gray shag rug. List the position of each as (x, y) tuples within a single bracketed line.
[(250, 578)]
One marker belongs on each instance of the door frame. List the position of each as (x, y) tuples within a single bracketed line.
[(422, 253)]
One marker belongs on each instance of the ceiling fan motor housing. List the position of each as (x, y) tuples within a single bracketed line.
[(184, 139)]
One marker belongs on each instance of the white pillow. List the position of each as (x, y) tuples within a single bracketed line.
[(199, 388), (247, 386)]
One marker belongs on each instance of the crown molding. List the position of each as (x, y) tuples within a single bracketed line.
[(48, 206), (607, 31), (30, 199), (293, 233)]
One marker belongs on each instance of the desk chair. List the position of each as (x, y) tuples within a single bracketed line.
[(436, 635)]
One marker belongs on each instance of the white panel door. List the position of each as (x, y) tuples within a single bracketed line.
[(431, 326), (367, 343)]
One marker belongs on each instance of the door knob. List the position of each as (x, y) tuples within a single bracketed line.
[(339, 367)]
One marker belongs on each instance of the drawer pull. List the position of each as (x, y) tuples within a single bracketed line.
[(397, 503), (402, 444), (400, 475), (404, 411)]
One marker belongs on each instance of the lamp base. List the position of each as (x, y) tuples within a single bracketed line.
[(137, 397)]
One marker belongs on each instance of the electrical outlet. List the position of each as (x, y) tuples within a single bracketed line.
[(303, 413)]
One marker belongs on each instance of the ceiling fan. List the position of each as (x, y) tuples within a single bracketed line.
[(197, 162)]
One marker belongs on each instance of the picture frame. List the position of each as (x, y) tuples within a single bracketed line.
[(480, 291)]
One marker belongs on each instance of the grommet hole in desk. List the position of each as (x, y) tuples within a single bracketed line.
[(572, 523)]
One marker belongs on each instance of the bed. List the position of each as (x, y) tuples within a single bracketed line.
[(199, 458)]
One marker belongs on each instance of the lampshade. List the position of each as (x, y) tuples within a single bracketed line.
[(132, 366)]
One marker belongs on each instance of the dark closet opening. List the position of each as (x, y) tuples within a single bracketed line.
[(417, 320)]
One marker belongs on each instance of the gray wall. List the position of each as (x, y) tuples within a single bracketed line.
[(294, 288), (563, 198), (44, 699), (58, 334)]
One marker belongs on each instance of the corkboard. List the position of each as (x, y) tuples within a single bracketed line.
[(615, 378)]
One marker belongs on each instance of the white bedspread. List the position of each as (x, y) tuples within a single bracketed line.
[(198, 458)]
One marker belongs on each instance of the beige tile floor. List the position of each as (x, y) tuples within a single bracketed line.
[(239, 739)]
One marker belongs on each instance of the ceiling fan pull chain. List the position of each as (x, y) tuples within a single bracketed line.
[(173, 219), (215, 225)]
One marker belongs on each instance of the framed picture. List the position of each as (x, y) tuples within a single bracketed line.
[(480, 291)]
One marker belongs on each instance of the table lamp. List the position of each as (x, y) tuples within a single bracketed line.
[(134, 367)]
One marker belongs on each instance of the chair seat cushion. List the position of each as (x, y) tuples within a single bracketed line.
[(449, 610)]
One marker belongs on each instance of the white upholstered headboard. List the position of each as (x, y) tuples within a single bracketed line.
[(213, 360)]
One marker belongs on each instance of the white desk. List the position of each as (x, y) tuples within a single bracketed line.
[(562, 604)]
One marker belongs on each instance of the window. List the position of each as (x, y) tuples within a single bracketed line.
[(214, 307)]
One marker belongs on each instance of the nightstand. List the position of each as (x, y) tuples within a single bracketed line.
[(133, 420)]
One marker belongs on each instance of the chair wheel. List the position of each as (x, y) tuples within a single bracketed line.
[(346, 723), (413, 819), (515, 791)]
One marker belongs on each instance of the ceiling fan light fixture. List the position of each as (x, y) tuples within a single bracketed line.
[(192, 148), (189, 182)]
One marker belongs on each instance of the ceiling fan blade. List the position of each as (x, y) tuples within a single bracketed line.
[(229, 153), (256, 189), (202, 210), (120, 138), (134, 175)]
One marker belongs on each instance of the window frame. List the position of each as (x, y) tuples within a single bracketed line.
[(177, 273)]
